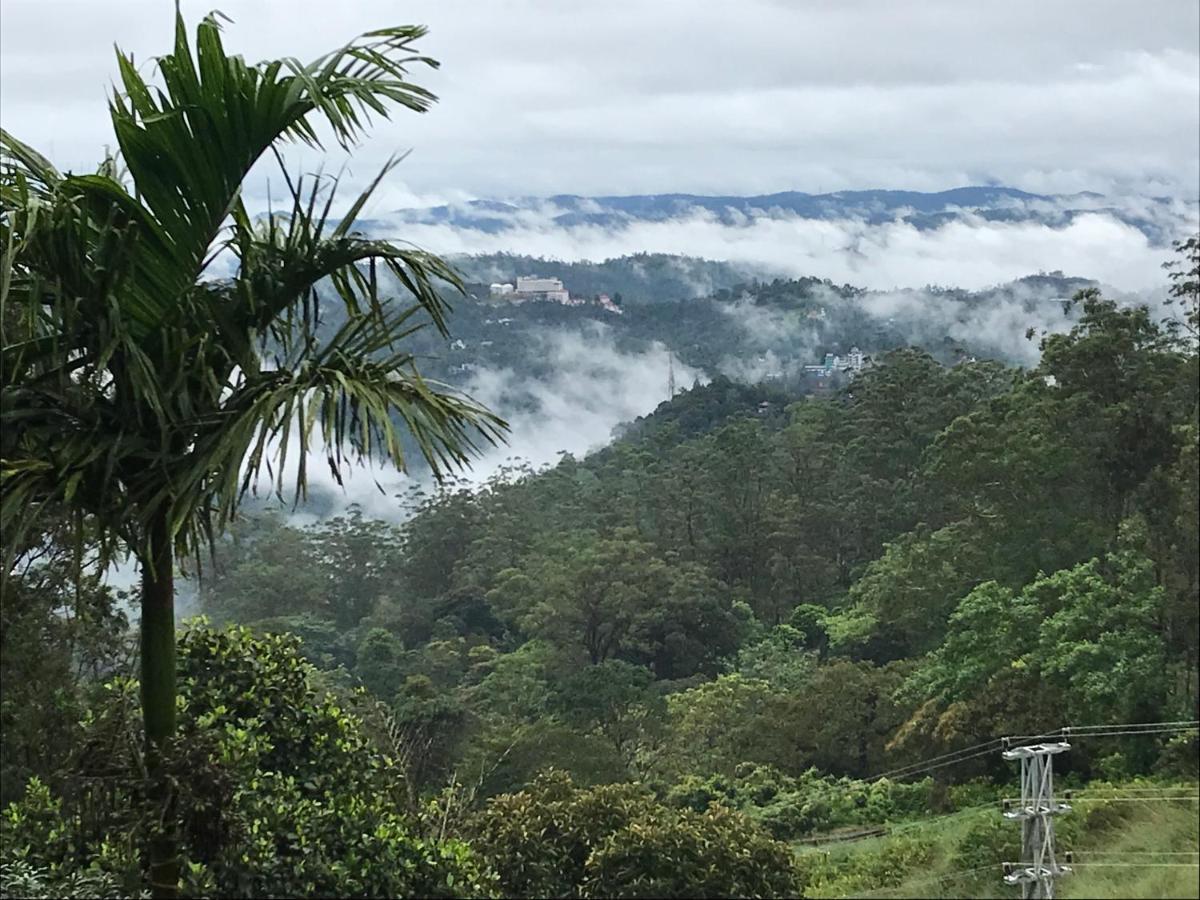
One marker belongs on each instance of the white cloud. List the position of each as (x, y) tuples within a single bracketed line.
[(969, 252), (593, 388)]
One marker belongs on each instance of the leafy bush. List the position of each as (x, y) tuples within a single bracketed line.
[(718, 853), (989, 840), (825, 875), (976, 792), (20, 878), (279, 791), (558, 840), (790, 807), (1180, 757)]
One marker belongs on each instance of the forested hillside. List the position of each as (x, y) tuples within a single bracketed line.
[(847, 581), (726, 626), (640, 278), (722, 321)]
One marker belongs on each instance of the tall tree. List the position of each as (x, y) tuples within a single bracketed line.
[(144, 391)]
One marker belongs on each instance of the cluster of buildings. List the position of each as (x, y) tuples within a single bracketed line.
[(532, 288), (852, 362)]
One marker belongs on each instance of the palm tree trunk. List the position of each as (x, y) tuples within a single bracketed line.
[(158, 700)]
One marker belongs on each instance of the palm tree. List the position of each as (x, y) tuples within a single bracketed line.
[(144, 393)]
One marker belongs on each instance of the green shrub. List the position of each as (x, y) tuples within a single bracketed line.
[(826, 875), (555, 839), (21, 878), (279, 792), (989, 840), (791, 807), (969, 794), (1180, 757), (681, 853)]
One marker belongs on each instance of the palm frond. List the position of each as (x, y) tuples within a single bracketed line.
[(136, 387), (286, 254), (189, 147), (347, 401)]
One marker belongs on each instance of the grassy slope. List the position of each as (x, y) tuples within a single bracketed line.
[(928, 858), (1159, 833)]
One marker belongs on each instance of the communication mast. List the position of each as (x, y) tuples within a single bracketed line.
[(670, 374)]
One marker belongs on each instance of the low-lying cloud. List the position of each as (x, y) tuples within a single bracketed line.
[(592, 388), (968, 252)]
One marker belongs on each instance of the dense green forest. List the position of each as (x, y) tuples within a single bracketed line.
[(861, 571), (712, 636), (640, 278), (753, 330)]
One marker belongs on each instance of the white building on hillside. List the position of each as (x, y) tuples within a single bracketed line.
[(606, 303), (532, 284), (531, 287)]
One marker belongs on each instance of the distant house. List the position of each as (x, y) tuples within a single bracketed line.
[(606, 303)]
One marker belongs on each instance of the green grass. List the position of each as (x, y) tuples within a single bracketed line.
[(958, 855), (1157, 833)]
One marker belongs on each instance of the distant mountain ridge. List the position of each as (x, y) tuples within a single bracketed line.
[(920, 209)]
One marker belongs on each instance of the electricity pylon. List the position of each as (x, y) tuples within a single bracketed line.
[(1038, 866)]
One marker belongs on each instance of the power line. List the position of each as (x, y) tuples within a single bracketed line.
[(1162, 789), (1037, 879), (936, 762), (1135, 865), (1190, 799), (885, 831), (1186, 723), (1116, 734), (953, 876), (1074, 731), (1081, 731), (843, 838), (1128, 732), (1121, 795), (937, 821), (1137, 852), (929, 768)]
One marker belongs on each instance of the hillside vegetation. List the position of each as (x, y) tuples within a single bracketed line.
[(756, 619), (1117, 849)]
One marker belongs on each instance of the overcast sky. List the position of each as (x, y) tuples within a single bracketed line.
[(627, 96)]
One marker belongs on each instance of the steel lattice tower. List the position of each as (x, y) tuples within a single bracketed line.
[(1038, 807)]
